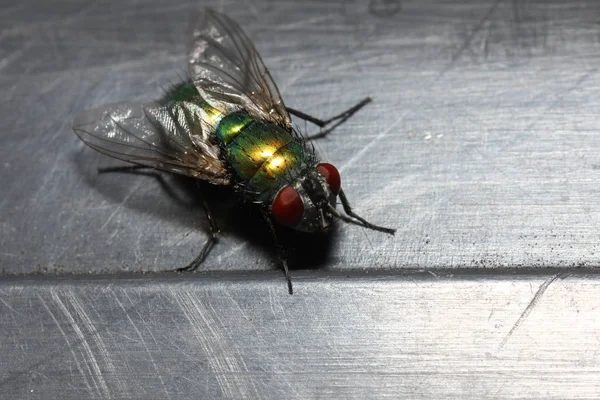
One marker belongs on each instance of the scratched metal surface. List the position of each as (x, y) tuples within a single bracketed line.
[(367, 337), (481, 147)]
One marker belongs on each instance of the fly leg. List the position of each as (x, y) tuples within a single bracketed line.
[(122, 168), (281, 253), (210, 242), (361, 221), (139, 169), (322, 123), (214, 230), (340, 118)]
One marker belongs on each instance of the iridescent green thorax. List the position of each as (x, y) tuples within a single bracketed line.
[(231, 126), (260, 153)]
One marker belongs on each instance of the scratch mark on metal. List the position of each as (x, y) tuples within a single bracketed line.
[(292, 80), (232, 251), (377, 139), (561, 96), (6, 61), (9, 306), (433, 274), (271, 302), (303, 23), (241, 310), (534, 301), (139, 335), (221, 357), (252, 9), (133, 190), (69, 345), (96, 372), (468, 40), (94, 333)]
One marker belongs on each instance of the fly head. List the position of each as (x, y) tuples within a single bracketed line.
[(307, 204)]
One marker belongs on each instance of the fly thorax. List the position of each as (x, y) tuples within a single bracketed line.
[(261, 155)]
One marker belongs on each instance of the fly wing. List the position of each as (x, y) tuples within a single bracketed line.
[(167, 138), (229, 73)]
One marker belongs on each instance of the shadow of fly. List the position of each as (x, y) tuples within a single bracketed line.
[(228, 125)]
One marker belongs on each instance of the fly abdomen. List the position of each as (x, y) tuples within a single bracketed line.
[(259, 153)]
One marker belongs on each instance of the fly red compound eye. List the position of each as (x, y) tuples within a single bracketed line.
[(288, 206), (331, 175)]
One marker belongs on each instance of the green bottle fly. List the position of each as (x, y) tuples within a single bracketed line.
[(229, 126)]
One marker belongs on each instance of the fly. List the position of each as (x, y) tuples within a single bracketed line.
[(229, 126)]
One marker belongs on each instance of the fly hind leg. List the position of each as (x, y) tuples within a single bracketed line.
[(340, 118), (146, 171)]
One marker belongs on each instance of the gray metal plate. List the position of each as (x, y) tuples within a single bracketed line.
[(481, 148), (362, 336)]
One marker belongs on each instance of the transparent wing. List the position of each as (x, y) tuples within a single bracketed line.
[(229, 73), (170, 139)]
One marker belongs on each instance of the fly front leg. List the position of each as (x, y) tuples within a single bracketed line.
[(281, 253), (340, 118), (361, 221)]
